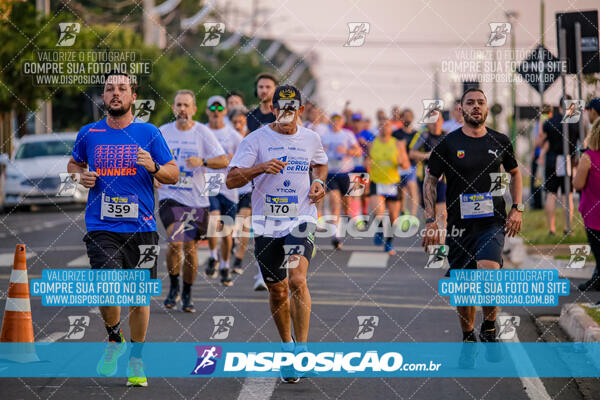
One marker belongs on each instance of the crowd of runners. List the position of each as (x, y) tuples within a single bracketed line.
[(279, 174)]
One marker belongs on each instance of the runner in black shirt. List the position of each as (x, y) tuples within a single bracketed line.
[(264, 88), (552, 137), (467, 158)]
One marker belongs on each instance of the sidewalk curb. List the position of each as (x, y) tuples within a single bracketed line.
[(578, 325)]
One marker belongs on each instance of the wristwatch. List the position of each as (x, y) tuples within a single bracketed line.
[(430, 220), (204, 162), (519, 206), (157, 166)]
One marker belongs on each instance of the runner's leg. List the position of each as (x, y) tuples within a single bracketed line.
[(300, 303)]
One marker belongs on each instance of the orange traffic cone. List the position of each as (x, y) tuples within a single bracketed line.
[(17, 325)]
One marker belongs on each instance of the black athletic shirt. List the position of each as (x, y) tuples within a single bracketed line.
[(255, 119), (553, 130), (467, 163)]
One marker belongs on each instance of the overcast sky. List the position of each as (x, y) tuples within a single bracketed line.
[(406, 41)]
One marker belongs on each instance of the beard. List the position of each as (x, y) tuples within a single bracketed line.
[(475, 121), (118, 110)]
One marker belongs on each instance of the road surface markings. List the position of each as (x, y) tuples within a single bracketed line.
[(368, 260), (534, 387), (81, 261), (350, 302), (53, 337), (7, 259), (203, 256), (257, 388)]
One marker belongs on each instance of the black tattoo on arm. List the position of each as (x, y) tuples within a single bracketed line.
[(429, 194)]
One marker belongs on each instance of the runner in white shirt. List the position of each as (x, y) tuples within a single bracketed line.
[(341, 147), (277, 157), (244, 210), (183, 207), (224, 204)]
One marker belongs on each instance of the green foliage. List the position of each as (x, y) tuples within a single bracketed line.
[(206, 71)]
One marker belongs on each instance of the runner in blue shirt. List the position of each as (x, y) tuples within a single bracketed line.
[(123, 156)]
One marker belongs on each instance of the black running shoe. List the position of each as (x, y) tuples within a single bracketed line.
[(488, 335), (226, 277), (211, 270), (493, 348), (592, 284), (468, 352), (172, 297), (336, 244), (186, 303)]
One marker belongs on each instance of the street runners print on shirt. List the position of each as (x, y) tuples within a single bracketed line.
[(282, 203), (122, 199)]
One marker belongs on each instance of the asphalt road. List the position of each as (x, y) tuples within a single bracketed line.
[(357, 281)]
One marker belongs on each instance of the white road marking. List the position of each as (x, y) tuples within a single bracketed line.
[(53, 337), (534, 387), (203, 256), (360, 247), (81, 261), (257, 388), (7, 259), (368, 260)]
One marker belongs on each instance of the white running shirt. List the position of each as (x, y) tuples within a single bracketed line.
[(200, 142), (272, 193), (229, 139), (339, 163)]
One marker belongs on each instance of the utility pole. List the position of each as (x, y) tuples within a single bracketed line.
[(43, 115), (512, 16)]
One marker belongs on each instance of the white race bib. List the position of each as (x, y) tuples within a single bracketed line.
[(185, 180), (119, 207), (281, 206), (387, 190), (476, 205)]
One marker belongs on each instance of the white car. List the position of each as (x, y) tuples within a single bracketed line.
[(33, 173)]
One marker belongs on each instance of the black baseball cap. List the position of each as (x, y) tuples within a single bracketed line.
[(287, 92)]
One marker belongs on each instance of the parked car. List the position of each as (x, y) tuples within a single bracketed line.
[(32, 174)]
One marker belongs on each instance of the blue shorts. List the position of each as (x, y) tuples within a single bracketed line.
[(474, 244), (223, 205), (410, 177)]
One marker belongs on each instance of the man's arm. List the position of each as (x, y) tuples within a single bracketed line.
[(418, 156), (168, 173), (429, 194), (432, 234), (514, 219), (317, 189), (238, 177), (87, 178), (218, 162)]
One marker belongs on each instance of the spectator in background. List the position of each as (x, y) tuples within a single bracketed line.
[(317, 120), (408, 177), (380, 116), (551, 137), (264, 89), (456, 118), (537, 158), (396, 118), (234, 99), (237, 118), (587, 179), (593, 109)]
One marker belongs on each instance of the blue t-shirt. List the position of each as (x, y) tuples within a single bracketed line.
[(122, 188)]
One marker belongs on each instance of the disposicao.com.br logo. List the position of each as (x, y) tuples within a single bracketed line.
[(323, 362)]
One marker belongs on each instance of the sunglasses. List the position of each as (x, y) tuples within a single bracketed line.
[(216, 108)]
